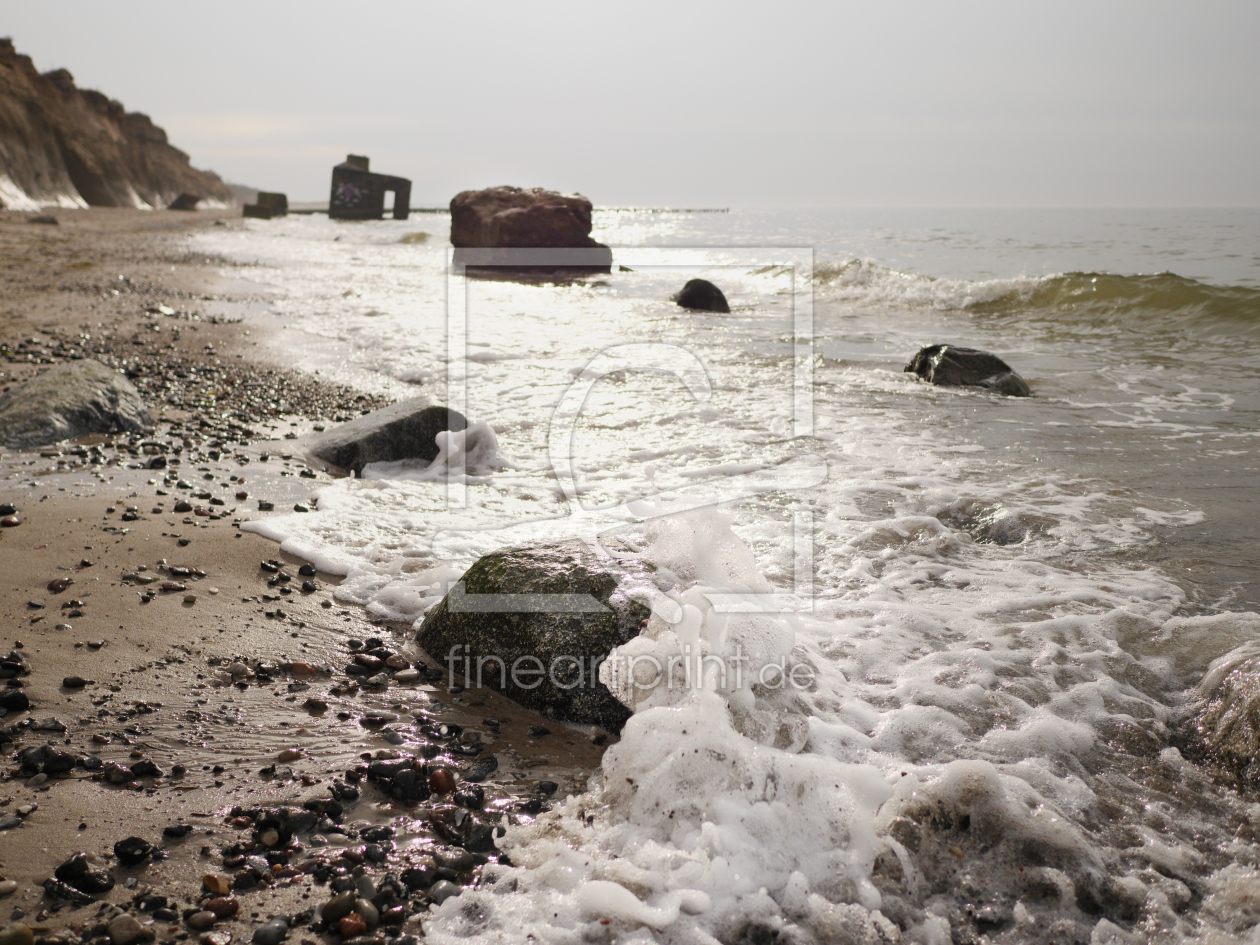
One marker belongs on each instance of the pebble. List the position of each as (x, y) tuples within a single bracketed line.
[(407, 675), (8, 887), (441, 781), (215, 938), (217, 883), (443, 890), (10, 521), (74, 682), (270, 838), (200, 921), (238, 669), (190, 598), (289, 754), (127, 930), (352, 925), (338, 906), (371, 915), (222, 907), (17, 934), (272, 933)]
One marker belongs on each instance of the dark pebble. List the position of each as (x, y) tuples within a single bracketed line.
[(133, 851), (74, 682), (539, 731), (546, 787), (307, 570)]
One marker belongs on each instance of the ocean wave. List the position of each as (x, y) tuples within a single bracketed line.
[(1095, 295)]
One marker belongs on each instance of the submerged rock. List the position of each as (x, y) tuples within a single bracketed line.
[(702, 295), (405, 430), (953, 366), (535, 622), (69, 400), (1226, 725)]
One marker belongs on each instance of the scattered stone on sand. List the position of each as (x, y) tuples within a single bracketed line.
[(404, 430), (74, 682), (953, 366), (8, 887), (584, 613), (71, 399), (703, 296)]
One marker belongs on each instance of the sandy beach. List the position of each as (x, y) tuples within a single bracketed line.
[(147, 631)]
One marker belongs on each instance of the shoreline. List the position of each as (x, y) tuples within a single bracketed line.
[(115, 285)]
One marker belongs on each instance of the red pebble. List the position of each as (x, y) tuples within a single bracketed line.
[(441, 781), (352, 925)]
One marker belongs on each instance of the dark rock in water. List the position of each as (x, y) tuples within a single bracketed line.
[(702, 295), (952, 366), (184, 201), (523, 619), (536, 219), (77, 872), (405, 430), (133, 851), (70, 399), (481, 769)]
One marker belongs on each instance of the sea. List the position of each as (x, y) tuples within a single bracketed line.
[(973, 625)]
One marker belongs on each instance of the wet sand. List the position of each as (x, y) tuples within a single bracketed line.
[(159, 682)]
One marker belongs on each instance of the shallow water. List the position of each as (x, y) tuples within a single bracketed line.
[(1003, 601)]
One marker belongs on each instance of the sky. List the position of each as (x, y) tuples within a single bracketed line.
[(897, 103)]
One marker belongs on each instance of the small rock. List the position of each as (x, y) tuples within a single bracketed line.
[(127, 930), (77, 872), (307, 570), (200, 921), (371, 915), (190, 598), (539, 731), (272, 933), (8, 887), (74, 682), (270, 838), (57, 585), (217, 883), (133, 851), (237, 669), (176, 831), (352, 925), (10, 521), (338, 906), (265, 506), (223, 907), (702, 295), (17, 934), (441, 781), (223, 936), (289, 754), (443, 890)]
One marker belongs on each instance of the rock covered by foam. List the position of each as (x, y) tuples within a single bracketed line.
[(402, 431), (534, 622)]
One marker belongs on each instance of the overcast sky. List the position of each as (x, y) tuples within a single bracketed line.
[(916, 103)]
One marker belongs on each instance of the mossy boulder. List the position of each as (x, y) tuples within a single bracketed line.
[(535, 622)]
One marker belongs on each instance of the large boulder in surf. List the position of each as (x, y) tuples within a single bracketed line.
[(69, 400), (535, 622), (534, 219), (954, 366), (405, 430), (703, 296)]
